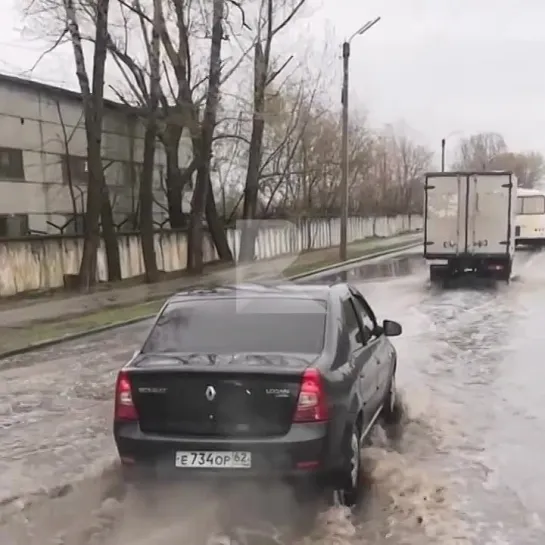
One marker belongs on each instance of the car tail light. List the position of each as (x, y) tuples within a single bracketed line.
[(312, 402), (124, 406)]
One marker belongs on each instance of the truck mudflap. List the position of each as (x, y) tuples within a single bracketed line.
[(438, 273)]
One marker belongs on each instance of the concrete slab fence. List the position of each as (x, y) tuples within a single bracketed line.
[(42, 262)]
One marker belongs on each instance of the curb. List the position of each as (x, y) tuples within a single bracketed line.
[(341, 264), (101, 329)]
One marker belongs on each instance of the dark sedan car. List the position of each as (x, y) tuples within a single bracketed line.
[(277, 382)]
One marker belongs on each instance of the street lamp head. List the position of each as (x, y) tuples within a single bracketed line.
[(364, 28), (367, 26)]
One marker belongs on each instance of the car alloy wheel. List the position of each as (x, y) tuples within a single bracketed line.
[(392, 396), (392, 412), (347, 494), (354, 460)]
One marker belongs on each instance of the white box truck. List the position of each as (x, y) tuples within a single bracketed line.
[(469, 224)]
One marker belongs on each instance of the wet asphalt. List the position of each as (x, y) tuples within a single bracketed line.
[(466, 465)]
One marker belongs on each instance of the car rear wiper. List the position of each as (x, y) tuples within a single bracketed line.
[(181, 359)]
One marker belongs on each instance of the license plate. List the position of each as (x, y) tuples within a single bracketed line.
[(214, 460)]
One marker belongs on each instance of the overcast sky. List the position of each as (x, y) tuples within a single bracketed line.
[(439, 66)]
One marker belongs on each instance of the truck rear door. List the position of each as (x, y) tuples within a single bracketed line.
[(489, 213), (444, 229)]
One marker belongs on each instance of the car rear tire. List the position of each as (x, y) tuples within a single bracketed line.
[(392, 410), (348, 491)]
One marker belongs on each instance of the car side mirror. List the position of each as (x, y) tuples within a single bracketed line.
[(391, 328), (359, 338)]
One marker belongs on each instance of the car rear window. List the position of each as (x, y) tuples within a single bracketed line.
[(240, 325)]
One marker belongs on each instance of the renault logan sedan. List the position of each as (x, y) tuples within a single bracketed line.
[(275, 382)]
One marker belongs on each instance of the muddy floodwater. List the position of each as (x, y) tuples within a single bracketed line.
[(465, 466)]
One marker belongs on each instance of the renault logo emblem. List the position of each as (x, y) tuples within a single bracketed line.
[(210, 393)]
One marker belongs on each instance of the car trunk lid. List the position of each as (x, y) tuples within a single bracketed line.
[(237, 395)]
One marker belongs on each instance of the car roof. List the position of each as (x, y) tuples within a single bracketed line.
[(255, 290)]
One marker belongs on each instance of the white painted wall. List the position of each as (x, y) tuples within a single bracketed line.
[(41, 262)]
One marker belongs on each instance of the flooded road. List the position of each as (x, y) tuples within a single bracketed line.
[(465, 467)]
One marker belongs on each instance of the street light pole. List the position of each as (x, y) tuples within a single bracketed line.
[(343, 253), (443, 147), (343, 250)]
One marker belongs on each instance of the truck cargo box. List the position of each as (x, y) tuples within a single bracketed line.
[(469, 220)]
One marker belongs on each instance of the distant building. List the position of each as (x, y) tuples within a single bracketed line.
[(43, 166)]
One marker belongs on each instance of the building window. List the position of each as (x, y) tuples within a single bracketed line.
[(11, 164), (13, 225), (75, 169)]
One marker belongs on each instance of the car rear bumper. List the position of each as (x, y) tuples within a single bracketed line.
[(303, 453)]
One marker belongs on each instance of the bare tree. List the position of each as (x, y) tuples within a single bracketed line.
[(148, 96), (402, 164), (264, 75), (150, 137), (227, 163), (98, 203), (178, 111), (479, 150), (286, 117), (185, 113), (300, 169), (529, 167), (203, 187), (180, 115), (489, 151)]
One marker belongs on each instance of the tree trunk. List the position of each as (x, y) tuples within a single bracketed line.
[(146, 205), (110, 237), (251, 187), (174, 189), (150, 139), (217, 227), (195, 258), (93, 108), (251, 191), (203, 152), (174, 181), (91, 239)]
